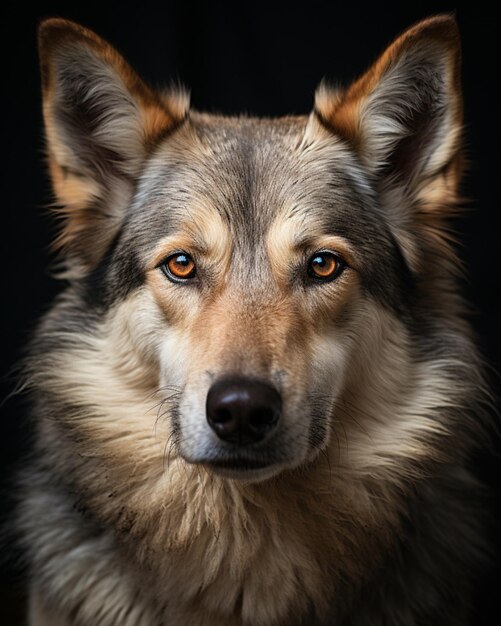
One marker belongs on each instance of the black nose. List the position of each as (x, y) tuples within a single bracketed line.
[(242, 411)]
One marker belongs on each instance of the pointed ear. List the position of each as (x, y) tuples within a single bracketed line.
[(101, 121), (404, 115)]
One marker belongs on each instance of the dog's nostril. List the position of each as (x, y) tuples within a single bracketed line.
[(261, 419), (222, 416), (243, 411)]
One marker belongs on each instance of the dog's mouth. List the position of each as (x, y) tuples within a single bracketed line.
[(239, 464), (242, 468)]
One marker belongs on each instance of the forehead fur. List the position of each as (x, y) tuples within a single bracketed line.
[(249, 171), (238, 179)]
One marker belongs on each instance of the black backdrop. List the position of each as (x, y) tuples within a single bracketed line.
[(264, 59)]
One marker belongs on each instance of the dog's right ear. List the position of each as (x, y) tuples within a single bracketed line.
[(101, 121)]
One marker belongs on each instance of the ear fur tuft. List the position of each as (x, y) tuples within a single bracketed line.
[(101, 122), (413, 85), (403, 118)]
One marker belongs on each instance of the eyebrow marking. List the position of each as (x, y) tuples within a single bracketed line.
[(170, 244)]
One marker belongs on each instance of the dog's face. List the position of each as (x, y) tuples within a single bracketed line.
[(247, 239), (251, 263)]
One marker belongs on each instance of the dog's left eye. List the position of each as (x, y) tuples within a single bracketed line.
[(325, 266), (179, 267)]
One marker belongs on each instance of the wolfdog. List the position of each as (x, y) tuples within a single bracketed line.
[(256, 399)]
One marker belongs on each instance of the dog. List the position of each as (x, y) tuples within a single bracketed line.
[(256, 400)]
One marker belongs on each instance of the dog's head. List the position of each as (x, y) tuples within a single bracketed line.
[(265, 274)]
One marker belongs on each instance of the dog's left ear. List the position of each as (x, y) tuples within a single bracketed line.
[(101, 121), (404, 115)]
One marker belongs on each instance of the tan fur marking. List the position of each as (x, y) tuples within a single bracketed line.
[(286, 245), (204, 236), (202, 232)]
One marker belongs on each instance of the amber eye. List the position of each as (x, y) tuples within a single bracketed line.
[(179, 267), (325, 266)]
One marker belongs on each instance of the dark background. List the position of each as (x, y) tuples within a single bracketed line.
[(264, 59)]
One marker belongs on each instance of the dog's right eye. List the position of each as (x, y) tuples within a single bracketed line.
[(325, 266), (179, 267)]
